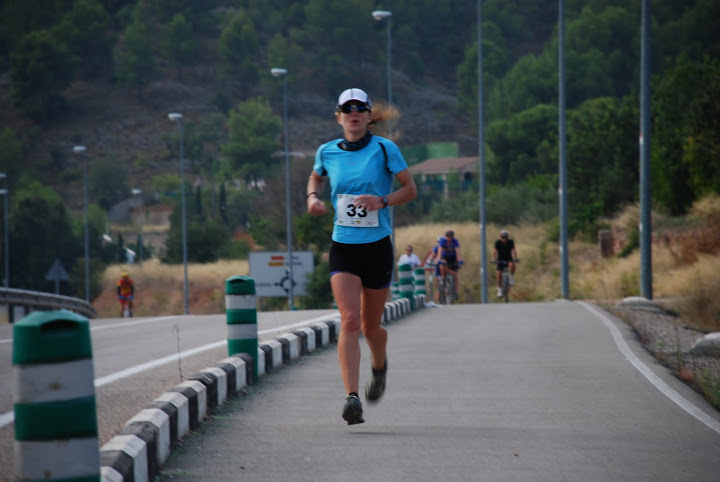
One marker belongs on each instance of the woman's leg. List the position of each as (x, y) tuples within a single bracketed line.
[(373, 305), (346, 289)]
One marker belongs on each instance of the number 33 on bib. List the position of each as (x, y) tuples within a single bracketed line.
[(348, 214)]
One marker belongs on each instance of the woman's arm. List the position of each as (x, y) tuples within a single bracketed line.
[(315, 187), (407, 191)]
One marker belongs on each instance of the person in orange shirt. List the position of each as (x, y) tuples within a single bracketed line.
[(126, 292)]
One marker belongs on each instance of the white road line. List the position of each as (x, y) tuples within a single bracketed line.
[(679, 400), (138, 321), (117, 325), (9, 417)]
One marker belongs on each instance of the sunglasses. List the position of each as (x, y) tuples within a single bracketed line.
[(348, 108)]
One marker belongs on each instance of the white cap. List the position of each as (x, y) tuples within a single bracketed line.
[(354, 94)]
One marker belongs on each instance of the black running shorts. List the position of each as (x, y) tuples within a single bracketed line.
[(372, 262)]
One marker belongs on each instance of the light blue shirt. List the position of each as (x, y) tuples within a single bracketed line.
[(365, 171)]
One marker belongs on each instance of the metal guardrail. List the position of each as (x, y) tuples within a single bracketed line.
[(39, 301)]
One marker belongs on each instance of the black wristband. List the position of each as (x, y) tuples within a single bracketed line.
[(308, 196)]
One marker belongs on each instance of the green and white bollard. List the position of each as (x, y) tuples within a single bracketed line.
[(419, 281), (56, 432), (241, 314), (395, 290), (405, 283)]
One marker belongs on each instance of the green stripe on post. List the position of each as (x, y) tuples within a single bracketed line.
[(54, 398), (419, 281), (241, 309), (405, 281)]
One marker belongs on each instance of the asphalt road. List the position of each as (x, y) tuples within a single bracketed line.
[(543, 392), (136, 360)]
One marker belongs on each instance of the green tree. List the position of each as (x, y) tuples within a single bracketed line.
[(11, 152), (496, 58), (40, 69), (319, 293), (135, 65), (313, 232), (602, 155), (107, 182), (686, 137), (515, 144), (253, 131), (206, 239), (86, 31), (41, 230), (179, 43), (284, 53), (198, 12), (238, 48)]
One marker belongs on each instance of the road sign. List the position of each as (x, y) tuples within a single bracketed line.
[(271, 272), (57, 274)]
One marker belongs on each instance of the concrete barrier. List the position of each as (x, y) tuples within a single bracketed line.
[(241, 314), (56, 433)]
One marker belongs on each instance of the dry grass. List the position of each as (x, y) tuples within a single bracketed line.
[(159, 287), (686, 270)]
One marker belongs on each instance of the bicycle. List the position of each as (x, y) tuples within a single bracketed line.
[(446, 289), (446, 285), (505, 282)]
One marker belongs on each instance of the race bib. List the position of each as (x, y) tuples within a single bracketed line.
[(348, 214)]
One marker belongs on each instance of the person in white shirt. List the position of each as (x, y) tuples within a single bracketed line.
[(409, 258)]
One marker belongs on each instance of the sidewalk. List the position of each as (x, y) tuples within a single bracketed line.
[(475, 392)]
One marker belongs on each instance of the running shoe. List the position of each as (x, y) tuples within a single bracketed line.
[(376, 386), (499, 293), (353, 411)]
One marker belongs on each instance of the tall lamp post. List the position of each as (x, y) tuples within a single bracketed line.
[(562, 148), (481, 160), (138, 193), (278, 72), (6, 193), (177, 117), (80, 150), (381, 15)]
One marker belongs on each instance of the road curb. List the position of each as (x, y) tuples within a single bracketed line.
[(140, 448)]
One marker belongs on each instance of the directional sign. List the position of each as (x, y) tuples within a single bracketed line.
[(271, 272)]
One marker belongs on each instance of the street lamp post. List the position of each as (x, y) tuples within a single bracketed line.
[(79, 150), (138, 192), (481, 160), (381, 15), (278, 72), (177, 117), (6, 193)]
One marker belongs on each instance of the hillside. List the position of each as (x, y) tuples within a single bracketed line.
[(113, 123)]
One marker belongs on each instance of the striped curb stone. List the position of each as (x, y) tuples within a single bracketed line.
[(291, 347), (211, 387), (124, 458), (179, 417)]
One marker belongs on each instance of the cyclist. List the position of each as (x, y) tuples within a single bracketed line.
[(449, 257), (125, 291), (504, 251)]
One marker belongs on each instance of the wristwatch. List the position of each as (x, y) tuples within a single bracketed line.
[(385, 201)]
